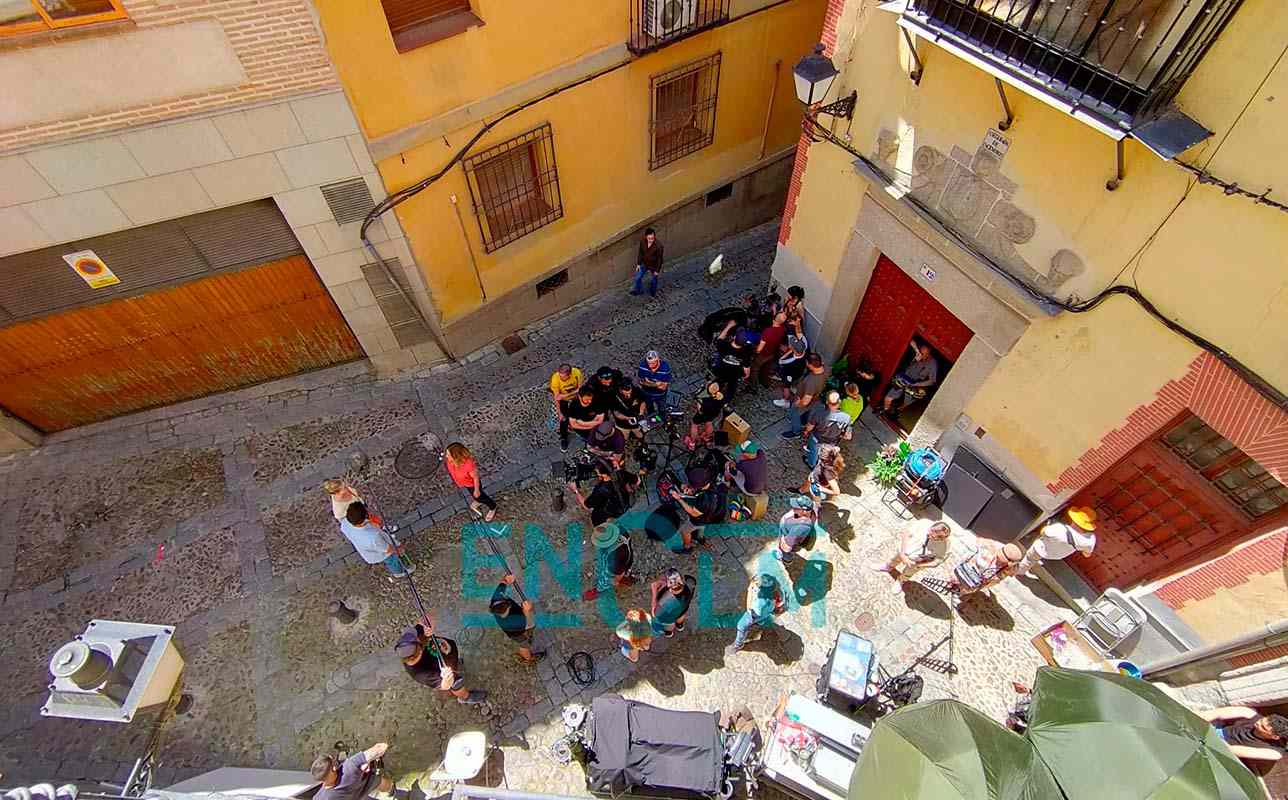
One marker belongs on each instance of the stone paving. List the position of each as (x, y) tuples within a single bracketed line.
[(208, 516)]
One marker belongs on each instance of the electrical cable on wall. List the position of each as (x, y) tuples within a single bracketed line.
[(402, 195), (1263, 387)]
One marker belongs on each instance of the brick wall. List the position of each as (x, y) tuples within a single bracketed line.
[(1216, 395), (275, 40), (828, 40), (1261, 557)]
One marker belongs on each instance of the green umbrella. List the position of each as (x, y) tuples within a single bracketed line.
[(1109, 736), (944, 750)]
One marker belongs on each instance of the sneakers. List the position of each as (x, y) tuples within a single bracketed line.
[(876, 567), (627, 580), (897, 589), (783, 404), (679, 626), (476, 697), (537, 655), (788, 435), (670, 634), (590, 594)]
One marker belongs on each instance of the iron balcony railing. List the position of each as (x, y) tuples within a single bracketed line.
[(1122, 60), (657, 23)]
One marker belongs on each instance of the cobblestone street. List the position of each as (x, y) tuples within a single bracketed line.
[(208, 516)]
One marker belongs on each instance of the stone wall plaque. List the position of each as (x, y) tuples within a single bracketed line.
[(996, 144)]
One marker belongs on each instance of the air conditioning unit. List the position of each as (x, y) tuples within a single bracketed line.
[(113, 672), (663, 18)]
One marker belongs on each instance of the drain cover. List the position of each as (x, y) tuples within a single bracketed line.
[(864, 622), (513, 344)]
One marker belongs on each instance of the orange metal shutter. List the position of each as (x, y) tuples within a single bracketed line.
[(234, 328)]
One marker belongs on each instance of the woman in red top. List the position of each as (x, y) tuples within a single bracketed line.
[(465, 474)]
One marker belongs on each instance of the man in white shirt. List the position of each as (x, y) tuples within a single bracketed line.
[(918, 549), (1060, 539)]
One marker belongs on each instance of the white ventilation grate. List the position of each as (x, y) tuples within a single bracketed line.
[(350, 201)]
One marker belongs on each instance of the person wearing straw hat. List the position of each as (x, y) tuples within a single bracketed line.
[(614, 559), (635, 633), (1060, 539)]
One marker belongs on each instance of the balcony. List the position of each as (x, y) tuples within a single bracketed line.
[(657, 23), (1115, 63)]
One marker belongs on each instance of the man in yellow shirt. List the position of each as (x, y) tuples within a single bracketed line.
[(564, 383)]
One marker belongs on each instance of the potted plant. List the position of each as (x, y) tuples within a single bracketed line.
[(888, 463)]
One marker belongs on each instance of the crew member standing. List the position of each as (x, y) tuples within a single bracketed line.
[(649, 260)]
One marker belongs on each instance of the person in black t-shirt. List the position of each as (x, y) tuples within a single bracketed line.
[(583, 414), (613, 493), (435, 662), (628, 409), (1251, 735), (353, 778), (614, 560), (604, 384), (515, 620), (734, 354), (711, 407)]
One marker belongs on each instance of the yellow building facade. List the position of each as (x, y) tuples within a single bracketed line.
[(560, 134), (1008, 162)]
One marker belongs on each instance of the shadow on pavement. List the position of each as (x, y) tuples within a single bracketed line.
[(921, 599), (977, 609)]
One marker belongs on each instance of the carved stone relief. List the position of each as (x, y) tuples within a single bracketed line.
[(970, 194)]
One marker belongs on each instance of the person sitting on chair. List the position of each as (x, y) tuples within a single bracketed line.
[(914, 381), (1250, 735)]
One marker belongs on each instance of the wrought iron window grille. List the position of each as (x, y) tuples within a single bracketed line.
[(515, 187), (682, 118), (657, 23)]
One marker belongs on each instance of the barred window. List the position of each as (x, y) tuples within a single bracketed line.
[(683, 119), (515, 187)]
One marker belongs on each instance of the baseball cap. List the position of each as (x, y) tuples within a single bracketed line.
[(797, 343), (652, 355), (606, 427), (408, 644), (802, 502), (604, 372), (748, 448)]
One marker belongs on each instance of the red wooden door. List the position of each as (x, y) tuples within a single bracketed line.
[(1155, 514), (894, 309)]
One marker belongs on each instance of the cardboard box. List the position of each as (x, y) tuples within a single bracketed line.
[(739, 429)]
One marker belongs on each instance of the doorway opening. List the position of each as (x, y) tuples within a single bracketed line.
[(895, 315)]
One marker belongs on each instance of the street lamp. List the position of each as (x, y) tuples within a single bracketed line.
[(814, 75)]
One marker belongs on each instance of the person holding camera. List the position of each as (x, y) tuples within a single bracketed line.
[(628, 409), (515, 620), (699, 501), (918, 550), (613, 493), (435, 661), (353, 778), (607, 443)]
